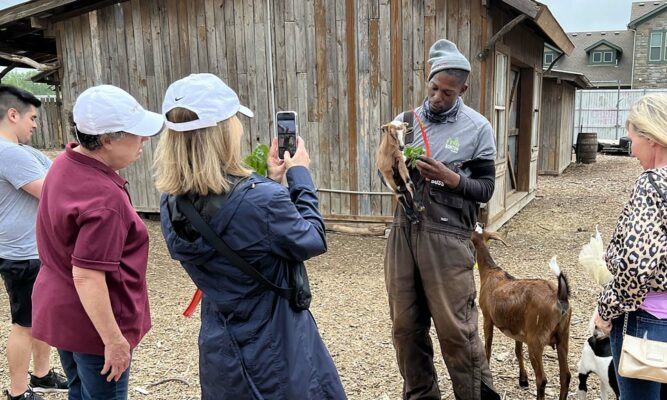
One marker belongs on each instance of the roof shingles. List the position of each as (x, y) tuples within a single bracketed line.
[(600, 75), (641, 8)]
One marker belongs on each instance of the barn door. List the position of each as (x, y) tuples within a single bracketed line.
[(513, 132), (496, 206)]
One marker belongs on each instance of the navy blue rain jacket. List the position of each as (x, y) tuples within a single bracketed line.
[(252, 345)]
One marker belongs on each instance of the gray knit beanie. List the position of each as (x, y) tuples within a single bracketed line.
[(444, 55)]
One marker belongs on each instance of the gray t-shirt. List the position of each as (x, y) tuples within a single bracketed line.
[(465, 136), (19, 165)]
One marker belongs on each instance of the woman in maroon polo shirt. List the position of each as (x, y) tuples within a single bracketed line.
[(90, 299)]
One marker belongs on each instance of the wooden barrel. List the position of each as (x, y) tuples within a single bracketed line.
[(587, 147)]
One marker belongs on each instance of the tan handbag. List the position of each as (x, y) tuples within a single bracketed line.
[(642, 358)]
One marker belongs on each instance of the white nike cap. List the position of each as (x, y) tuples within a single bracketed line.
[(108, 109), (205, 95)]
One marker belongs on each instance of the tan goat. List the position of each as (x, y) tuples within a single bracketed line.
[(390, 161), (531, 311)]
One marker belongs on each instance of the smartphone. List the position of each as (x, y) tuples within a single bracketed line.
[(287, 130)]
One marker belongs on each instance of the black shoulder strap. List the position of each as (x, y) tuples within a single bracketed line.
[(409, 118), (657, 188), (187, 208)]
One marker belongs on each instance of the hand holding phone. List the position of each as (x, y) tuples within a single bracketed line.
[(287, 132), (301, 156), (275, 166)]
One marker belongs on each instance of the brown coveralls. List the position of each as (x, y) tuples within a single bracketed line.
[(429, 274)]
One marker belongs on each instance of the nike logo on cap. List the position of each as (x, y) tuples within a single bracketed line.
[(178, 98)]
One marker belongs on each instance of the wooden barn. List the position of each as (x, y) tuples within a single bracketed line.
[(557, 126), (346, 66)]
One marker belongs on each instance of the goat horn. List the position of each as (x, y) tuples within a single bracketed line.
[(496, 236)]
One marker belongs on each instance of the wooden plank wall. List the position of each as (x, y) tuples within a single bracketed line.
[(526, 47), (551, 128), (48, 134), (566, 124), (346, 67), (143, 46), (556, 126)]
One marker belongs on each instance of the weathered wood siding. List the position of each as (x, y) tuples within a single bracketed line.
[(556, 126), (524, 49), (346, 67), (143, 46), (48, 134)]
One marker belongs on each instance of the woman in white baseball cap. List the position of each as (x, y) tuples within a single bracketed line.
[(253, 343), (90, 299)]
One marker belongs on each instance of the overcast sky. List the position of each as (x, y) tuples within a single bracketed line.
[(590, 15), (10, 3)]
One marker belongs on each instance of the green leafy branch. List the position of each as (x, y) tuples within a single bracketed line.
[(257, 160), (413, 153)]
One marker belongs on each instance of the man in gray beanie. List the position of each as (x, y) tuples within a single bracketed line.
[(429, 264)]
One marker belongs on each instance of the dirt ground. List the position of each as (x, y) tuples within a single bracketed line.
[(350, 301)]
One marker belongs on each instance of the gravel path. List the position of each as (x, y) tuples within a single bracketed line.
[(350, 301)]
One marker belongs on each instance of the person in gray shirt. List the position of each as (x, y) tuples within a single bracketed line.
[(22, 172), (429, 262)]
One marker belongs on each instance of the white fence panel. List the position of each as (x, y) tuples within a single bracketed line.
[(605, 111)]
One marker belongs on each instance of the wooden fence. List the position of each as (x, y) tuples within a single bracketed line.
[(346, 67), (49, 133)]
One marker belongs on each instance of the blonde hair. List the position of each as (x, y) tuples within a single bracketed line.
[(649, 117), (198, 161)]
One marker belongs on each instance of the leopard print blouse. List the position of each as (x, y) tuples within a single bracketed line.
[(637, 252)]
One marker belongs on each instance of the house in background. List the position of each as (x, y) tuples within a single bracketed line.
[(604, 57), (551, 54), (635, 58), (648, 21)]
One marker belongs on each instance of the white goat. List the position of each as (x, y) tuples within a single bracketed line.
[(390, 161), (596, 358)]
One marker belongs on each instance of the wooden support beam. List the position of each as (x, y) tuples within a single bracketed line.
[(554, 62), (29, 9), (550, 26), (84, 9), (527, 7), (503, 31), (367, 230), (38, 23), (28, 61), (335, 218), (41, 76)]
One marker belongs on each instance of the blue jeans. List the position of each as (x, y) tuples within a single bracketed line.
[(639, 322), (84, 379)]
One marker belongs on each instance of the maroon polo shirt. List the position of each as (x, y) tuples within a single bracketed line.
[(86, 218)]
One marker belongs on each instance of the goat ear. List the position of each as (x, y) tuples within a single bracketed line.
[(384, 128)]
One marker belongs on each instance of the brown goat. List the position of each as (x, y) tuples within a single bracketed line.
[(531, 311), (390, 161)]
